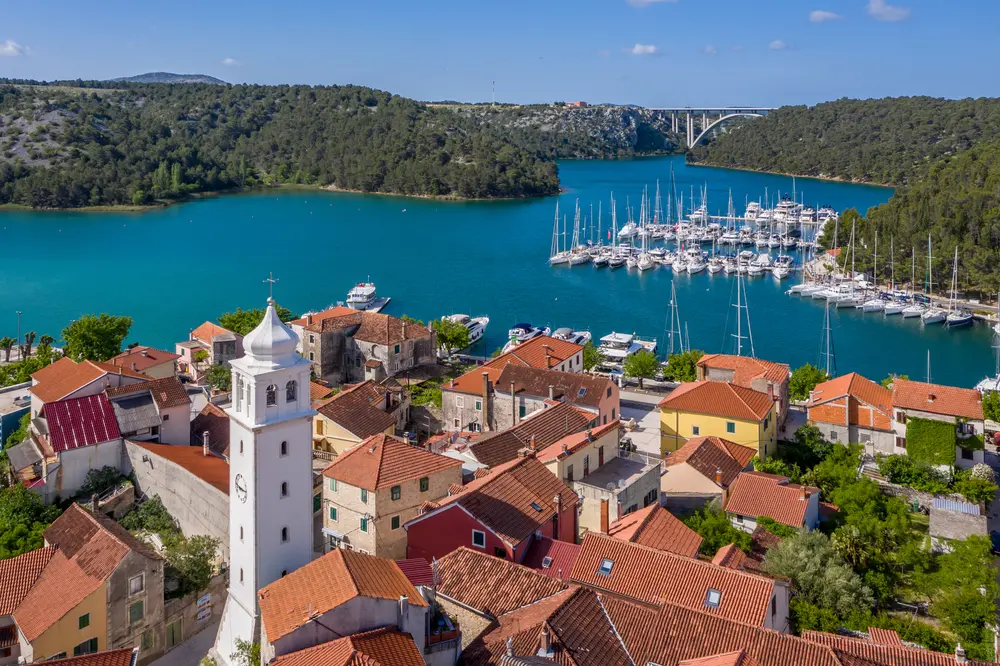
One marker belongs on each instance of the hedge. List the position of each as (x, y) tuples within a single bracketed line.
[(932, 442)]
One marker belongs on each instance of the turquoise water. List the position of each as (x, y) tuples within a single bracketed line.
[(173, 268)]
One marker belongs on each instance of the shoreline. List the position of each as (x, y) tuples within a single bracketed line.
[(826, 179)]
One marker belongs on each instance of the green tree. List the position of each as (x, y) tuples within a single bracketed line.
[(411, 320), (176, 180), (138, 198), (683, 367), (220, 377), (243, 321), (96, 338), (776, 465), (23, 519), (247, 654), (450, 336), (200, 357), (7, 344), (804, 379), (151, 516), (21, 433), (991, 403), (591, 357), (29, 340), (808, 447), (642, 365), (100, 480), (193, 560), (888, 381), (967, 580), (713, 525), (46, 341)]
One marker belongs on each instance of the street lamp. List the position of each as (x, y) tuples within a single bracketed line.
[(18, 343)]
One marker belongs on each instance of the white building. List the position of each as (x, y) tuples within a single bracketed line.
[(270, 474)]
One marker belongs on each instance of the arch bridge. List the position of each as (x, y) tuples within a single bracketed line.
[(699, 121)]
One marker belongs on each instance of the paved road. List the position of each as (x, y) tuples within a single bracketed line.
[(191, 651)]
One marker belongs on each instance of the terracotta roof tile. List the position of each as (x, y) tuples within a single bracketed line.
[(210, 469), (569, 444), (937, 399), (551, 557), (207, 331), (381, 647), (319, 391), (383, 461), (547, 426), (530, 354), (737, 658), (353, 410), (143, 357), (856, 386), (215, 421), (417, 570), (757, 494), (167, 392), (575, 387), (719, 399), (888, 655), (319, 317), (730, 556), (58, 380), (18, 574), (118, 370), (746, 369), (120, 657), (707, 454), (655, 527), (505, 499), (80, 422), (326, 583), (373, 327), (652, 576), (491, 585)]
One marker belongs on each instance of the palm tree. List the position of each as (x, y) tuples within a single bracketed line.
[(6, 344), (29, 339), (46, 341)]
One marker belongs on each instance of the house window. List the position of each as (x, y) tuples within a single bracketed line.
[(136, 612), (609, 391), (284, 488), (364, 525), (900, 442), (774, 606), (271, 393), (84, 621), (569, 473), (333, 485), (312, 339), (319, 426), (241, 533), (241, 447), (136, 584), (695, 430), (291, 391), (284, 535), (283, 449), (605, 568), (479, 405), (86, 647), (166, 417), (500, 552), (865, 439), (241, 574), (396, 492), (425, 484), (600, 456), (582, 392), (333, 513), (966, 454), (901, 417), (478, 539), (312, 356), (455, 424), (522, 411), (586, 466), (317, 502), (5, 652), (395, 349), (394, 523), (460, 401), (834, 436), (364, 496), (712, 598), (731, 427), (612, 413), (739, 519)]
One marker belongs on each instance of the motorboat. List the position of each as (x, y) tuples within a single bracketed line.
[(696, 265), (630, 230), (362, 296), (569, 335), (645, 262), (679, 265), (601, 260), (631, 262), (934, 316), (522, 333), (716, 265), (475, 325), (754, 269), (616, 261), (958, 318)]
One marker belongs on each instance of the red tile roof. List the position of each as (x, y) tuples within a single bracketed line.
[(505, 499), (372, 327), (530, 354), (746, 369), (354, 410), (80, 422), (570, 444), (708, 454), (937, 399), (546, 426), (657, 528), (58, 380), (326, 583), (758, 494), (383, 461), (730, 556), (381, 647), (120, 657), (551, 557), (737, 658), (215, 421), (855, 385), (565, 385), (319, 391), (143, 357), (167, 392), (417, 570), (890, 654), (319, 317), (207, 331), (211, 469), (18, 574), (655, 577), (719, 399)]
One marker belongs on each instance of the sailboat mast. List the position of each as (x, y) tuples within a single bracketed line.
[(600, 238)]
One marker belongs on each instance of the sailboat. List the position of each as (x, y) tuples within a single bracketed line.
[(956, 316), (556, 255), (914, 309), (577, 255), (993, 383), (645, 260), (874, 304), (616, 260), (895, 305), (932, 315)]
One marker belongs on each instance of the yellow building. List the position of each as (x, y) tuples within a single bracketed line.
[(719, 409), (353, 415)]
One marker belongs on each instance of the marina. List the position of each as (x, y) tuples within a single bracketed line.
[(480, 258)]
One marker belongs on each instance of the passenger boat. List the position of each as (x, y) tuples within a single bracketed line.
[(362, 296), (475, 325)]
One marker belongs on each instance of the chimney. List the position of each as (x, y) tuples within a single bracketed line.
[(309, 319), (552, 392), (960, 657), (45, 469), (404, 329), (605, 526), (204, 443), (513, 405), (803, 495), (557, 500), (532, 445), (548, 357), (452, 385), (145, 353), (770, 391), (486, 401), (510, 646), (930, 397), (718, 477), (404, 611), (134, 367), (546, 643), (93, 502)]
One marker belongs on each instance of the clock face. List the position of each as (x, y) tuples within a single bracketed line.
[(241, 488)]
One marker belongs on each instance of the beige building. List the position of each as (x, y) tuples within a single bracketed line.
[(156, 363), (66, 379), (359, 412), (372, 490), (700, 472), (521, 391)]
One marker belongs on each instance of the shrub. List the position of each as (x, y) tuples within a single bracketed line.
[(152, 516), (907, 471), (776, 528), (973, 488), (932, 442), (100, 480), (716, 531)]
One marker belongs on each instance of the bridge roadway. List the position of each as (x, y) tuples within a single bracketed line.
[(709, 117)]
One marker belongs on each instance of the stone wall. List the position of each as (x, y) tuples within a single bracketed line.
[(473, 624), (195, 612)]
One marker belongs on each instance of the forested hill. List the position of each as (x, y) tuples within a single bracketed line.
[(65, 147), (886, 141)]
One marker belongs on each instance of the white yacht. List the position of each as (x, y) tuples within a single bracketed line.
[(630, 230), (914, 309), (716, 265), (934, 315), (873, 305), (522, 333), (362, 296), (475, 325), (645, 262), (894, 307), (569, 335)]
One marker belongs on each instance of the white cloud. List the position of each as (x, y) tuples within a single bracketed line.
[(777, 45), (646, 3), (644, 49), (604, 53), (12, 48), (736, 48), (710, 49), (231, 62), (822, 16), (883, 11)]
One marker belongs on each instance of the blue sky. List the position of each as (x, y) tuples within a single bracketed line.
[(649, 52)]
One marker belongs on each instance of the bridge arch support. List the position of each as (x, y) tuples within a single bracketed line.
[(693, 140)]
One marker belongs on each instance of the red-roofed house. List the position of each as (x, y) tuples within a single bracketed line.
[(156, 363), (551, 557), (317, 318), (68, 379), (464, 398), (381, 647), (497, 513), (655, 527), (756, 494), (699, 472), (372, 490), (851, 408), (221, 345), (751, 373), (913, 402)]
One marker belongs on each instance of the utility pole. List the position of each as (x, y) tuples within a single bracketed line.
[(18, 345)]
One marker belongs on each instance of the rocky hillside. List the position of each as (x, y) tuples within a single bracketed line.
[(167, 77)]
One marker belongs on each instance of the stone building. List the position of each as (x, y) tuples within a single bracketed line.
[(221, 345), (521, 391), (358, 412)]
